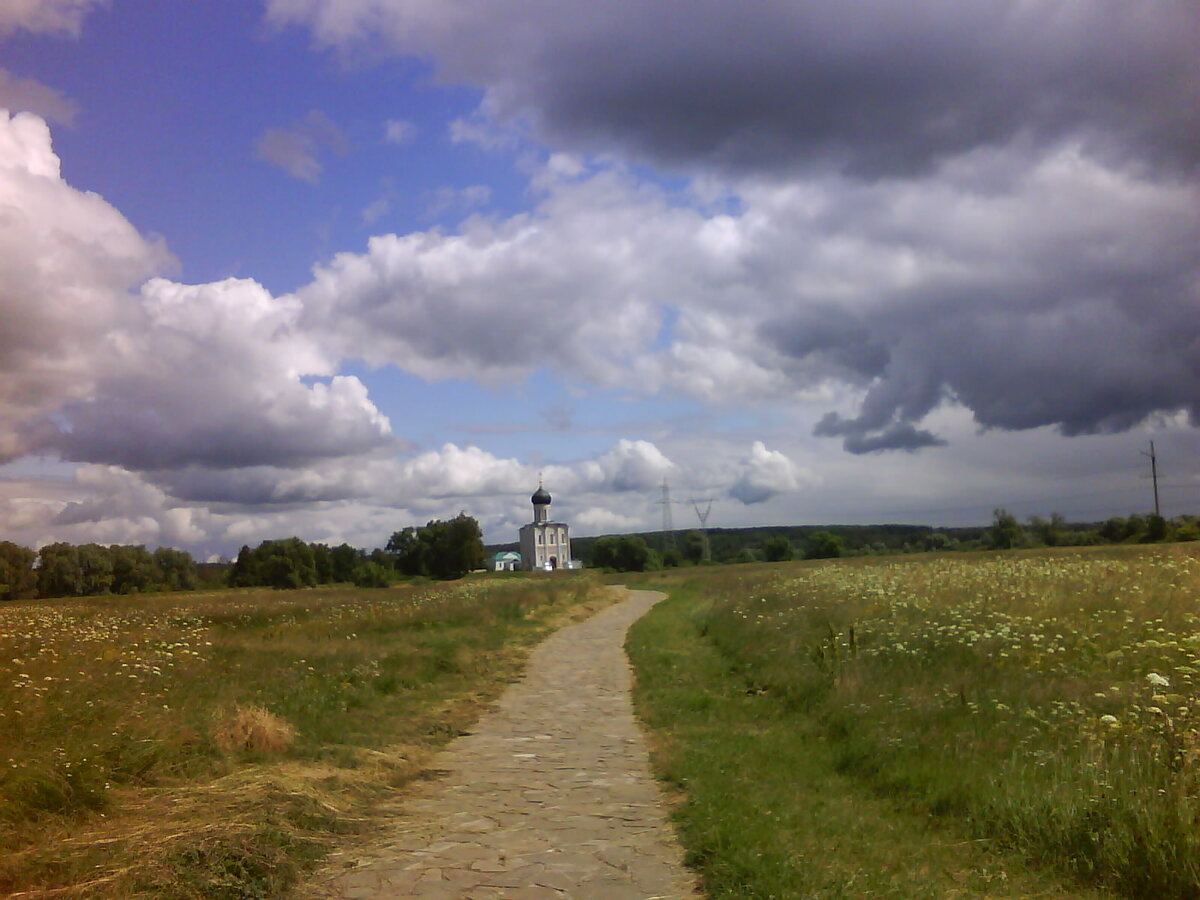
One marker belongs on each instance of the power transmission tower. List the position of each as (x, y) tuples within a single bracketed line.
[(1154, 476), (703, 517), (668, 527)]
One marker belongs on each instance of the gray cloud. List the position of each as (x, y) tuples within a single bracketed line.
[(297, 149), (68, 262), (45, 16), (213, 375), (27, 95), (866, 86)]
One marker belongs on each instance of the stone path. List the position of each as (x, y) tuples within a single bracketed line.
[(551, 797)]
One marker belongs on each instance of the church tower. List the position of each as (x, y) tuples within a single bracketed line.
[(545, 545)]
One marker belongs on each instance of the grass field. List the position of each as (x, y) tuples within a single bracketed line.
[(215, 745), (1040, 705)]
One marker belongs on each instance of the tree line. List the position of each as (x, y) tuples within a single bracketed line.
[(68, 570), (645, 551), (438, 549)]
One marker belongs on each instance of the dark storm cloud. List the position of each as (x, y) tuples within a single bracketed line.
[(871, 86), (877, 87), (1084, 362)]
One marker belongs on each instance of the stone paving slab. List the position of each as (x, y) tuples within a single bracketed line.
[(551, 797)]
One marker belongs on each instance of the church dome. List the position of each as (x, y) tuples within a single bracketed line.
[(541, 497)]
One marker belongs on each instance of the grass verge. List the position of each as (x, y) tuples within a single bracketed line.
[(764, 811)]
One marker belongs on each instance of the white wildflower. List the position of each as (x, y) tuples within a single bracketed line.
[(1157, 680)]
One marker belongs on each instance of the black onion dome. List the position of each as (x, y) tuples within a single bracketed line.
[(541, 497)]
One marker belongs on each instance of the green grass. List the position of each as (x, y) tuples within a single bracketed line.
[(764, 809), (116, 775)]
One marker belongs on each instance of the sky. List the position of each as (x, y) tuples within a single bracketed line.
[(331, 268)]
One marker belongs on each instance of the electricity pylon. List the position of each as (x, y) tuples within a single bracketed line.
[(668, 527), (703, 517)]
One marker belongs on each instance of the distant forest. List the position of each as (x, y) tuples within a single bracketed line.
[(756, 544), (451, 548)]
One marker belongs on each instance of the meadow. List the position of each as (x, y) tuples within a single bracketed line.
[(216, 745), (1038, 705)]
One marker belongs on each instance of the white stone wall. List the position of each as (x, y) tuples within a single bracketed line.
[(542, 540)]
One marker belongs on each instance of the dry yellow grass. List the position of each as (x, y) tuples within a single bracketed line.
[(253, 729), (215, 746)]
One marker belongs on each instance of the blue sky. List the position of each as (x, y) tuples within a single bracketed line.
[(334, 267)]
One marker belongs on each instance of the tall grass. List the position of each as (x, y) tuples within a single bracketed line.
[(1047, 700), (765, 813), (257, 720)]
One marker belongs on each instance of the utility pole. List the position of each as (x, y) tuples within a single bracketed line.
[(703, 517), (1154, 476), (668, 527)]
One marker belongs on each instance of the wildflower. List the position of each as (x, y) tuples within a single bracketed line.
[(1109, 720), (1157, 680)]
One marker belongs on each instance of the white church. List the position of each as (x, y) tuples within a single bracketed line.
[(545, 545)]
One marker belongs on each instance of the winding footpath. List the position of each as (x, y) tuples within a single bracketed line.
[(550, 797)]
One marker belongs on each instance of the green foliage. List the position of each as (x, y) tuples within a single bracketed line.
[(58, 572), (292, 563), (65, 570), (440, 549), (372, 575), (823, 545), (18, 580), (626, 553), (1048, 532), (1157, 529), (1006, 531), (693, 546), (777, 549), (176, 569)]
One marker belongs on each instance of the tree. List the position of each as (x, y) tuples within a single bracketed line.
[(371, 575), (440, 549), (58, 571), (627, 553), (177, 570), (1157, 529), (1005, 532), (823, 545), (133, 569), (693, 546), (456, 547), (284, 564), (409, 552), (95, 569), (245, 569), (323, 563), (343, 560), (1114, 530), (18, 580), (777, 548), (1048, 532)]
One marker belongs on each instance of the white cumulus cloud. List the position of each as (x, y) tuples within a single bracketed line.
[(765, 473)]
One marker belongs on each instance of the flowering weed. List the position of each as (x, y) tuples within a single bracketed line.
[(1047, 699)]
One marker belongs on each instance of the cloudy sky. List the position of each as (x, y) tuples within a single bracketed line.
[(334, 267)]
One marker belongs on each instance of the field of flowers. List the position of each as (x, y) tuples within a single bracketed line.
[(1046, 699), (232, 714)]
